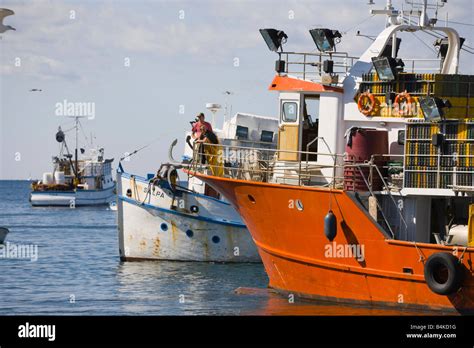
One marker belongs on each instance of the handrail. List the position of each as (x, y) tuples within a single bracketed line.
[(342, 63)]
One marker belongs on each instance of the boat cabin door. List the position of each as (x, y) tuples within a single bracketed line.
[(289, 130)]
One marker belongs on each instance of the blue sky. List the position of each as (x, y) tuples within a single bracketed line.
[(181, 54)]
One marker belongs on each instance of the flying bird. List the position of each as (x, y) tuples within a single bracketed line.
[(4, 12), (36, 90)]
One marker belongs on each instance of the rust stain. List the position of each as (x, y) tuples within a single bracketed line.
[(156, 247), (142, 245), (206, 250), (174, 230)]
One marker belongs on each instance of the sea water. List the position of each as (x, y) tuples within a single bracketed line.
[(77, 271)]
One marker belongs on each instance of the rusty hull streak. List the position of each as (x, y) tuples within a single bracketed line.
[(156, 247), (142, 244), (174, 229)]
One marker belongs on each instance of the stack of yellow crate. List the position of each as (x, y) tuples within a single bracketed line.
[(458, 89)]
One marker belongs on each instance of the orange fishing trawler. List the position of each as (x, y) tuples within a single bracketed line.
[(368, 198)]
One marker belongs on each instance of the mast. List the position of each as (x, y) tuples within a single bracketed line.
[(75, 150)]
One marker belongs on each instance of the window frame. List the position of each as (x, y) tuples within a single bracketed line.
[(237, 132), (283, 116), (268, 132)]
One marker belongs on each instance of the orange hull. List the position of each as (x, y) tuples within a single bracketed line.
[(295, 253)]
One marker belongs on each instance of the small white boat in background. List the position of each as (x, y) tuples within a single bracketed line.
[(164, 219), (3, 234), (75, 182)]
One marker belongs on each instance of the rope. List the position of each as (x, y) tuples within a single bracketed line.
[(366, 19), (135, 194), (438, 36), (425, 44), (420, 254), (460, 23)]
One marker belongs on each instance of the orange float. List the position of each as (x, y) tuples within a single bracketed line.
[(366, 103), (406, 98)]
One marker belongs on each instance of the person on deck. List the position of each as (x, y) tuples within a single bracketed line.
[(200, 121), (210, 153)]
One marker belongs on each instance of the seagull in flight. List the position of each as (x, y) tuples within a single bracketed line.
[(36, 90), (4, 12)]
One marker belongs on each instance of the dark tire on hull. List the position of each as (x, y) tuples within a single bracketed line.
[(443, 273)]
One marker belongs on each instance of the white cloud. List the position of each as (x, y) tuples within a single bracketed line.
[(57, 46)]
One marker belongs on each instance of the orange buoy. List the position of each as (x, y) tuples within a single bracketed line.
[(366, 103), (403, 97)]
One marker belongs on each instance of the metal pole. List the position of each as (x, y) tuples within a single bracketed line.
[(76, 160), (394, 45)]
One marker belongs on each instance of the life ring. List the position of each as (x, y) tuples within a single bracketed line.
[(364, 107), (404, 96), (443, 273)]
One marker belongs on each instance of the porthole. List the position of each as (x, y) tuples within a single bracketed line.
[(216, 239), (190, 233), (195, 209), (164, 227)]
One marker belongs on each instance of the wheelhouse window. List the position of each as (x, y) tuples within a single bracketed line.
[(242, 133), (289, 112), (266, 136)]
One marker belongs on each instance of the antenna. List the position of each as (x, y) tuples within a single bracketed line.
[(390, 12), (212, 107), (226, 107), (420, 7)]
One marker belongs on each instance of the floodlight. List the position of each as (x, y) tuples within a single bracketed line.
[(325, 38), (432, 107), (387, 68), (274, 38)]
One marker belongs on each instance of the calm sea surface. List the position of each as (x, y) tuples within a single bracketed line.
[(78, 271)]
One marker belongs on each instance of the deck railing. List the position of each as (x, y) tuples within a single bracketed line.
[(309, 65), (266, 165), (283, 166)]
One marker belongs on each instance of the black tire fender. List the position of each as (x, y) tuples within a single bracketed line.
[(434, 265)]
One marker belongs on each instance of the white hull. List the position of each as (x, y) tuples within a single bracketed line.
[(150, 230), (3, 234), (72, 198)]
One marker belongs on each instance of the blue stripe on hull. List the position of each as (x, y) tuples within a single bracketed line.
[(197, 217)]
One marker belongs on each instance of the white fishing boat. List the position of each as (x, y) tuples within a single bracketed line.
[(163, 218), (75, 182), (3, 234)]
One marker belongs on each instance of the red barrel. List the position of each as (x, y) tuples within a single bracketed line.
[(362, 144)]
